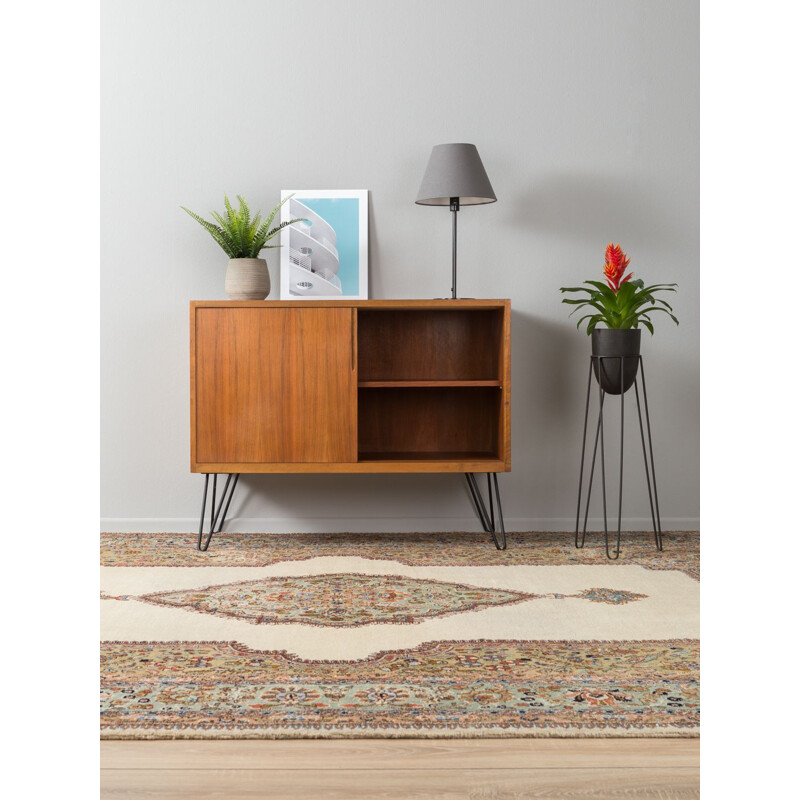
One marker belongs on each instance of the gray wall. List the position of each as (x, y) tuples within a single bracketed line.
[(586, 114)]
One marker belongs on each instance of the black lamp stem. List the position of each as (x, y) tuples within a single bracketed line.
[(454, 206)]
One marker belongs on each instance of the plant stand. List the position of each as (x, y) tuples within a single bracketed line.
[(649, 469)]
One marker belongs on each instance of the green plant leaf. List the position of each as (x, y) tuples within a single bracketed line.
[(625, 293), (275, 210), (603, 288), (629, 321), (579, 308), (280, 227), (244, 212), (232, 234), (671, 316), (626, 308), (660, 287), (585, 316), (218, 234), (229, 209), (591, 303), (238, 233)]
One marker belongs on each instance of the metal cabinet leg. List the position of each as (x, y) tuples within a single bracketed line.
[(216, 509), (488, 520)]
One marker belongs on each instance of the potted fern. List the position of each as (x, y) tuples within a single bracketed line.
[(243, 238), (621, 305)]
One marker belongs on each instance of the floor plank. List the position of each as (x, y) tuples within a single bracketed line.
[(399, 753), (452, 784), (401, 769)]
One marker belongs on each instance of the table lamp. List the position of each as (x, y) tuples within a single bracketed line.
[(455, 176)]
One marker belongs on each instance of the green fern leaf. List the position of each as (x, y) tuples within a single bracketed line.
[(244, 211), (229, 209), (275, 210), (231, 231), (238, 233), (283, 225), (218, 234)]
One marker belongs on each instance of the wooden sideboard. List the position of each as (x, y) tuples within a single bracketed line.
[(351, 386)]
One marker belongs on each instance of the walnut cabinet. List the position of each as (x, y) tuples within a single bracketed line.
[(350, 386)]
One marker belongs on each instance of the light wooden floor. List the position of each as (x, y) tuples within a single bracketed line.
[(474, 769)]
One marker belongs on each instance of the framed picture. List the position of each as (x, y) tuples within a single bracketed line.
[(325, 257)]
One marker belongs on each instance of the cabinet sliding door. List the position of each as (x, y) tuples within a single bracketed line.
[(275, 385)]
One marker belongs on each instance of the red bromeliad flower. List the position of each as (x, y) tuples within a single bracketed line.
[(616, 264), (615, 306)]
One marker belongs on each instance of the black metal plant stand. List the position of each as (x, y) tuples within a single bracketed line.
[(652, 491), (488, 521), (216, 509)]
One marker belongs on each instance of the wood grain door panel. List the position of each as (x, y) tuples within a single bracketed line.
[(275, 385)]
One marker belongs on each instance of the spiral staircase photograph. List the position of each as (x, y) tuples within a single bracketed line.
[(313, 258)]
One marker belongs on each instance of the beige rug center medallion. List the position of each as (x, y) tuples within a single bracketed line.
[(359, 635)]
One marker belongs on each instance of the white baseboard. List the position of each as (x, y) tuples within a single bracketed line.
[(379, 525)]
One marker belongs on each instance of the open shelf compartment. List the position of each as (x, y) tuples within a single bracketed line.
[(421, 423), (426, 346)]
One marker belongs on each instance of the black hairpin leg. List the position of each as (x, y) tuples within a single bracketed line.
[(599, 438), (488, 519), (621, 456), (655, 512), (216, 509), (583, 460)]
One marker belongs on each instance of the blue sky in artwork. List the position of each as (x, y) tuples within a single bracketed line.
[(342, 215)]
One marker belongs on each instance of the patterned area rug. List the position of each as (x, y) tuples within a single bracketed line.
[(389, 635)]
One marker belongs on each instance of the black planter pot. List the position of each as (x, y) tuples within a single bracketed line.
[(616, 343)]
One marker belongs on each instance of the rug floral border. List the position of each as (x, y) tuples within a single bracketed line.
[(681, 549), (453, 688)]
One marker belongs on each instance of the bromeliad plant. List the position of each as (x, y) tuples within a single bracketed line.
[(239, 235), (620, 303)]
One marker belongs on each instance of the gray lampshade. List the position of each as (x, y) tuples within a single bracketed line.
[(455, 170)]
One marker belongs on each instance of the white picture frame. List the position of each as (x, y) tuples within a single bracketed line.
[(326, 257)]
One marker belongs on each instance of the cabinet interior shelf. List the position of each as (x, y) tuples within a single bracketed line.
[(426, 383)]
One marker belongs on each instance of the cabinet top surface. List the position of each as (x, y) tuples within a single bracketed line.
[(443, 304)]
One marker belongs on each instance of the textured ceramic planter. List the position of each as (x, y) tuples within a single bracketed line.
[(616, 343), (247, 279)]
